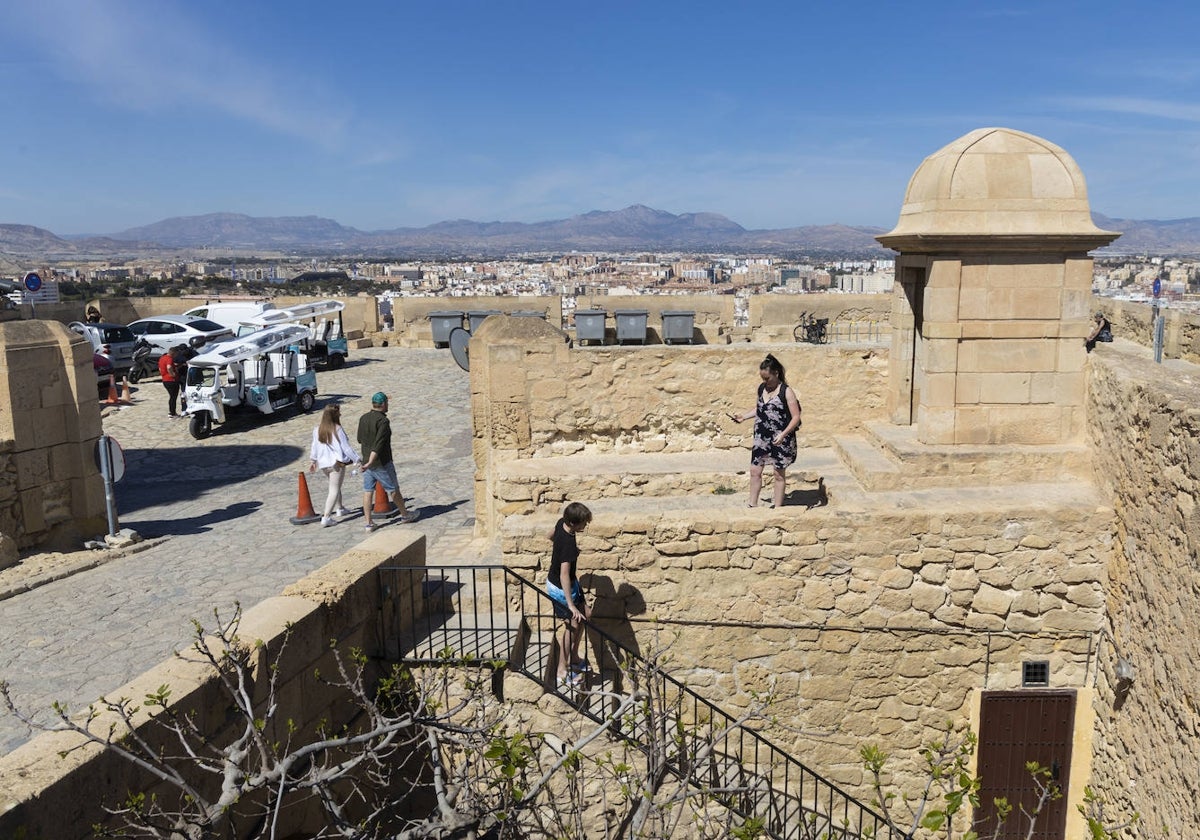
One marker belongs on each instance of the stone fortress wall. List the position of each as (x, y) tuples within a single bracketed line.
[(1144, 426), (875, 621)]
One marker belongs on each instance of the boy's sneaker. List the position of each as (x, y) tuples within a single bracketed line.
[(570, 682), (369, 527), (411, 516), (581, 667)]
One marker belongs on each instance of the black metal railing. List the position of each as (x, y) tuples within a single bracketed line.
[(490, 616)]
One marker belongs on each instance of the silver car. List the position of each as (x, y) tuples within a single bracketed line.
[(166, 331), (113, 341)]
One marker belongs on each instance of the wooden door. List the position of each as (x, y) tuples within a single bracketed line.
[(1018, 727)]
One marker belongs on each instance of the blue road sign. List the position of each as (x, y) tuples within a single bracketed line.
[(33, 282)]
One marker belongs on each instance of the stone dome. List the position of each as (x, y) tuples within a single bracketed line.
[(996, 182)]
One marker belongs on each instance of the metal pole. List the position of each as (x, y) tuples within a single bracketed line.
[(106, 471), (1159, 321)]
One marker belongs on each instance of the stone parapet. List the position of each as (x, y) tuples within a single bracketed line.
[(342, 601), (1144, 425)]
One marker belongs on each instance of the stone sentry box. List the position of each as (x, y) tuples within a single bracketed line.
[(993, 289)]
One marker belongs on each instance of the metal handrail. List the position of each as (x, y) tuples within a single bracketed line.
[(449, 621)]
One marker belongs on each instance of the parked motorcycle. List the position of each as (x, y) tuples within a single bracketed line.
[(143, 363)]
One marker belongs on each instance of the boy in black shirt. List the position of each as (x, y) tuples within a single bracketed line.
[(562, 585)]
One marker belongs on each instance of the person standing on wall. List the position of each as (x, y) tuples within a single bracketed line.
[(375, 441), (332, 453), (776, 418), (562, 585), (168, 368)]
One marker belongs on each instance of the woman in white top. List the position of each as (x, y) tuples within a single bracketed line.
[(332, 453)]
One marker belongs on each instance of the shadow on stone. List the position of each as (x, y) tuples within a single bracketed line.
[(149, 528)]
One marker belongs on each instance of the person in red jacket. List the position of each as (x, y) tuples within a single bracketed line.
[(168, 369)]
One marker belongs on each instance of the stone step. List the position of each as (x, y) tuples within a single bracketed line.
[(867, 463), (522, 487), (889, 457)]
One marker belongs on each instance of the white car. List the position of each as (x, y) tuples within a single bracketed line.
[(166, 331)]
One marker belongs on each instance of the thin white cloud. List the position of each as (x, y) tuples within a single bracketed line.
[(153, 56), (1183, 111)]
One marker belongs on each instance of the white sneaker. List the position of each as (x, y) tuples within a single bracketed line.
[(340, 512), (326, 521)]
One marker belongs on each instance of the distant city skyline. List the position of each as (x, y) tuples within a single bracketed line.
[(381, 115)]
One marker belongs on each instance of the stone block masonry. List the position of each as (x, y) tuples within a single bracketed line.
[(50, 486), (872, 626), (1144, 425)]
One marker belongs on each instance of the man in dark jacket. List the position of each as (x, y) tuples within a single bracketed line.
[(375, 443)]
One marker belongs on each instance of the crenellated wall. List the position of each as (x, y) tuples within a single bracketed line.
[(1144, 425)]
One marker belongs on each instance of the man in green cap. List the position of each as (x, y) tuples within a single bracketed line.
[(375, 442)]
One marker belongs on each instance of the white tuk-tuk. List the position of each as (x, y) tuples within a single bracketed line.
[(266, 370), (326, 343)]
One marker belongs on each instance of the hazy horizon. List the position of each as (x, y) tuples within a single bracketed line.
[(383, 115)]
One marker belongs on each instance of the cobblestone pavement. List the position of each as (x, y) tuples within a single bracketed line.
[(215, 514)]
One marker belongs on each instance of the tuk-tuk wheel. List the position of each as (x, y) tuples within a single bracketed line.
[(200, 425), (307, 401), (336, 361)]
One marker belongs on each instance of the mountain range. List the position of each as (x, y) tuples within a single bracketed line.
[(632, 229)]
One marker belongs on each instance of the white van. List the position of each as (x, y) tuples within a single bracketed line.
[(232, 312)]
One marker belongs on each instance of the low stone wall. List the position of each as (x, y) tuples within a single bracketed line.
[(411, 314), (1181, 330), (1144, 424), (50, 487), (47, 795)]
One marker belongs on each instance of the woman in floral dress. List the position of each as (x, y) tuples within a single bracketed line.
[(776, 418)]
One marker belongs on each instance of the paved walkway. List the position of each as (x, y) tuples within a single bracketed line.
[(216, 514)]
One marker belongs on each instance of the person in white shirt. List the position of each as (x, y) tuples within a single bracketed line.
[(332, 453)]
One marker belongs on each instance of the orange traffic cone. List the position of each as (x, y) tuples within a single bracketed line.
[(304, 510), (383, 505), (112, 391), (126, 393)]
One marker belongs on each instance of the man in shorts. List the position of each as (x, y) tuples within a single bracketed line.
[(375, 442)]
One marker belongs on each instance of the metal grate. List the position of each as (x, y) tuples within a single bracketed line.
[(1035, 673)]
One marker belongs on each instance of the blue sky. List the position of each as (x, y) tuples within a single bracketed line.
[(120, 113)]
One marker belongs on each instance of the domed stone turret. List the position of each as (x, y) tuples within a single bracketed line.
[(994, 290), (997, 182)]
